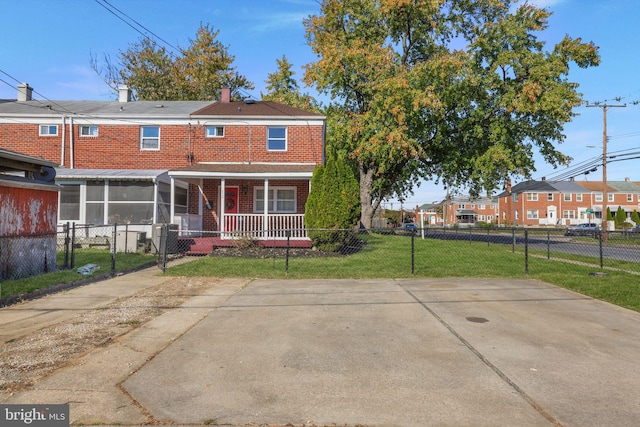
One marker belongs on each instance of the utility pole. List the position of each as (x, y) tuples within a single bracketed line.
[(604, 107)]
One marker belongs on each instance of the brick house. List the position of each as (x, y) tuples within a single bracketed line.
[(542, 203), (202, 165)]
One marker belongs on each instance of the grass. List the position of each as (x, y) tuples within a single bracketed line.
[(390, 257), (100, 257)]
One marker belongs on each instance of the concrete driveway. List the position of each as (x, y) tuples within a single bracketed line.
[(450, 352)]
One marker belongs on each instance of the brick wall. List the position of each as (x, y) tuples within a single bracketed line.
[(118, 146)]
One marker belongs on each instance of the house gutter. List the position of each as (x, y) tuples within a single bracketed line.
[(64, 138)]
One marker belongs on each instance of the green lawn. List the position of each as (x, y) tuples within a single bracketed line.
[(100, 257), (390, 257)]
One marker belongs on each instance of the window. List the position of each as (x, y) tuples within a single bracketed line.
[(598, 197), (214, 131), (69, 202), (567, 197), (277, 138), (629, 197), (482, 206), (532, 214), (88, 130), (462, 206), (532, 197), (550, 197), (579, 197), (164, 201), (489, 218), (482, 218), (610, 197), (281, 199), (95, 202), (48, 130), (150, 138), (131, 202), (569, 214), (514, 197)]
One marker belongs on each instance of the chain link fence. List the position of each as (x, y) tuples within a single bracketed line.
[(84, 249), (412, 252)]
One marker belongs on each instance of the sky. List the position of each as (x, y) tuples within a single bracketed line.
[(49, 44)]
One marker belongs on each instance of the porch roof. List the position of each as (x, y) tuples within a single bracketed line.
[(112, 174), (246, 171)]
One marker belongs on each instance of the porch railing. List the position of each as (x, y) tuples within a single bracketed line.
[(254, 224)]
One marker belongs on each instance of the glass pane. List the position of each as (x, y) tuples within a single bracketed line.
[(131, 213), (70, 202), (286, 194), (277, 144), (285, 206), (95, 213), (150, 131), (95, 191), (279, 132), (149, 144), (122, 191)]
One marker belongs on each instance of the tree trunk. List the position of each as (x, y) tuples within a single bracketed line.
[(366, 200)]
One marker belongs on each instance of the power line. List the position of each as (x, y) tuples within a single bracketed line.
[(121, 16)]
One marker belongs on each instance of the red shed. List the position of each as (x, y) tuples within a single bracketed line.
[(28, 215)]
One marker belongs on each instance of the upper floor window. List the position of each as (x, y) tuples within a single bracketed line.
[(598, 197), (610, 197), (550, 197), (48, 130), (277, 138), (578, 197), (89, 130), (150, 137), (462, 206), (629, 197), (567, 197), (532, 197), (482, 206), (214, 131)]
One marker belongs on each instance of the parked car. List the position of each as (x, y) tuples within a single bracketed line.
[(410, 226), (634, 229), (588, 229)]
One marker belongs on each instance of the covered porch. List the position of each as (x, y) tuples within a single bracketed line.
[(227, 200)]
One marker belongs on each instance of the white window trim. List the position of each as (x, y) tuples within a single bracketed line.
[(48, 127), (89, 135), (216, 135), (598, 197), (550, 197), (532, 197), (286, 138), (578, 197), (142, 138), (567, 197), (531, 213), (275, 204)]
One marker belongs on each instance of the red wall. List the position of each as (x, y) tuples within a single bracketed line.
[(27, 211)]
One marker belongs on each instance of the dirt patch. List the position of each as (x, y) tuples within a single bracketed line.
[(25, 360)]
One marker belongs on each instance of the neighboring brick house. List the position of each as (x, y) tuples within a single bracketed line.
[(172, 161), (534, 203), (28, 213)]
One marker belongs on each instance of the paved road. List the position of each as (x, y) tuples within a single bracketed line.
[(441, 352)]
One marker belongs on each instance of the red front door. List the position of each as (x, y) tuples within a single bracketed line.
[(231, 207)]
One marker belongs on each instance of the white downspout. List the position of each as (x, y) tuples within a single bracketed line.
[(71, 162), (64, 140)]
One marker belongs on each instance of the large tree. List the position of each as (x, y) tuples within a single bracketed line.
[(282, 87), (197, 72), (458, 91)]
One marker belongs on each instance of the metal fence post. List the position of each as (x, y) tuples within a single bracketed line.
[(513, 240), (66, 246), (413, 252), (601, 251), (73, 246), (113, 253), (548, 244), (286, 263), (526, 252)]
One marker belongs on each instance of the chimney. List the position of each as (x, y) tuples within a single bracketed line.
[(24, 92), (627, 179), (226, 95), (124, 94)]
